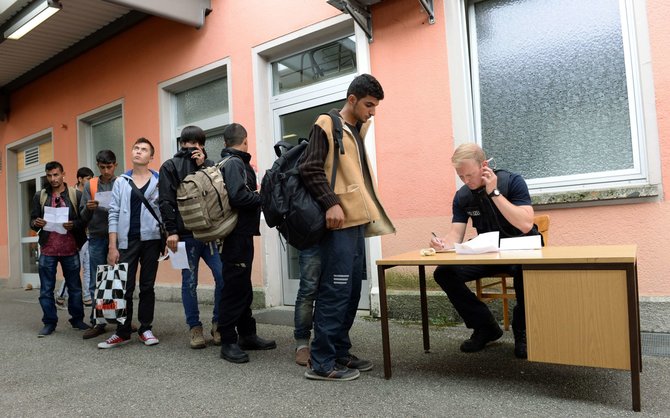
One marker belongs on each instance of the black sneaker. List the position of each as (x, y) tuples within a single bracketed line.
[(233, 353), (341, 373), (254, 342), (353, 362), (81, 325), (520, 346), (480, 337), (47, 329)]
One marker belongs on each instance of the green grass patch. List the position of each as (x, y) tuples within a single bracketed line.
[(401, 280)]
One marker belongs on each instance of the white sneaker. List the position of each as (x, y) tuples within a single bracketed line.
[(113, 341), (148, 338)]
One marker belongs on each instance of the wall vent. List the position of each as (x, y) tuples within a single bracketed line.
[(31, 156)]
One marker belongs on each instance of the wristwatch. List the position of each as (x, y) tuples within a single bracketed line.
[(494, 193)]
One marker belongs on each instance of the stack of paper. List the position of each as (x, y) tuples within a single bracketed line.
[(488, 243), (521, 243), (482, 243)]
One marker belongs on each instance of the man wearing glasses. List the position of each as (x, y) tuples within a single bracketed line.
[(59, 243)]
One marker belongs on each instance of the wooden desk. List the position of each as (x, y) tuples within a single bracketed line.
[(575, 299)]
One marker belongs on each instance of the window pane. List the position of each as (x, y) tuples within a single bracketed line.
[(552, 81), (109, 135), (315, 65), (27, 190), (297, 125), (213, 146), (30, 257), (201, 102)]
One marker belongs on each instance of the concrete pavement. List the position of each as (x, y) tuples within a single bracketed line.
[(64, 375)]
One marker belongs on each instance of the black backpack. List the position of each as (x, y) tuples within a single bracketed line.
[(287, 204)]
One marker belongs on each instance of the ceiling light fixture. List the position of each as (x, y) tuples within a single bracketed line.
[(31, 17)]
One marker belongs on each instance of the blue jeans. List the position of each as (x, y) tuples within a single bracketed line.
[(189, 279), (47, 271), (85, 273), (310, 270), (97, 255), (339, 290)]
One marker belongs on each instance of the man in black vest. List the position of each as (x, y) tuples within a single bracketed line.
[(496, 201)]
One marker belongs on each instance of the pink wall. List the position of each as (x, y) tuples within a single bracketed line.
[(415, 143), (130, 67), (413, 125)]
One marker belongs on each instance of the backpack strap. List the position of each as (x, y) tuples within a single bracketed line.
[(337, 141), (72, 193), (144, 200), (93, 187)]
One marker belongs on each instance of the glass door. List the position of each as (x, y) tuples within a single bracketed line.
[(293, 123), (29, 184)]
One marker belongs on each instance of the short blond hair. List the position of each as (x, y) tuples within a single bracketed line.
[(469, 151)]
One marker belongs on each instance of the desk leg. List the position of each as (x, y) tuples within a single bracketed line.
[(634, 331), (424, 309), (383, 313)]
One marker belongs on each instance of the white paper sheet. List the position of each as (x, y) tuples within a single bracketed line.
[(179, 260), (482, 243), (103, 199), (55, 218), (521, 243)]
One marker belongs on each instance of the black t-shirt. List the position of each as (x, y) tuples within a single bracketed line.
[(135, 212)]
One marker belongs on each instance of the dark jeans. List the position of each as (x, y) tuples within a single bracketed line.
[(47, 271), (97, 255), (310, 270), (195, 250), (235, 317), (474, 312), (145, 253), (339, 290)]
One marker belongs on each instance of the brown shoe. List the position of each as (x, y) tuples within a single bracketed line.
[(197, 339), (94, 332), (302, 356), (215, 334)]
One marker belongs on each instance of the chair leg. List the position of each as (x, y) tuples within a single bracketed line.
[(505, 304), (506, 314)]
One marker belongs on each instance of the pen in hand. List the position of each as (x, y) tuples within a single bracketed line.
[(437, 239)]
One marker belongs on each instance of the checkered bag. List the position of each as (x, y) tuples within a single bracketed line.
[(110, 290)]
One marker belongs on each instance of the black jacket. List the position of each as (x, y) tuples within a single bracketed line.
[(37, 211), (242, 195), (171, 173)]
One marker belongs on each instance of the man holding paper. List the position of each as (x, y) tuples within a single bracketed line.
[(94, 210), (495, 200), (55, 218)]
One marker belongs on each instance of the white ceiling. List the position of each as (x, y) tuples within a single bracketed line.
[(77, 20)]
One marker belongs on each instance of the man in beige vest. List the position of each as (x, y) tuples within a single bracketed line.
[(353, 212)]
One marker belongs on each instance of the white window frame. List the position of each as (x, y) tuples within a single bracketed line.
[(85, 124), (167, 91), (644, 130)]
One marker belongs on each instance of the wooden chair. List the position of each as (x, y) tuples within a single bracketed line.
[(501, 286)]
